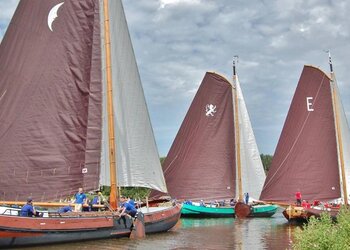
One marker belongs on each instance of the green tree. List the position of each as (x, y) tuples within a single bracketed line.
[(162, 159), (266, 161), (134, 192)]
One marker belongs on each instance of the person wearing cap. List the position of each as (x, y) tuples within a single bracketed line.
[(28, 209)]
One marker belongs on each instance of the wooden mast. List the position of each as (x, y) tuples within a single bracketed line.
[(114, 195), (237, 134), (337, 127)]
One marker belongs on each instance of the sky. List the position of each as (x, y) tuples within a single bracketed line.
[(177, 41)]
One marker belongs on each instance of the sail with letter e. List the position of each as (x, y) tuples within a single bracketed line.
[(307, 157)]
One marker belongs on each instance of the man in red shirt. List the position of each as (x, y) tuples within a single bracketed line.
[(298, 198)]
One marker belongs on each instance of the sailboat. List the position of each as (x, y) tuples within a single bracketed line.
[(203, 164), (313, 153), (73, 114)]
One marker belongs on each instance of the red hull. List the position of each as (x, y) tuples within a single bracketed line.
[(25, 231), (56, 224)]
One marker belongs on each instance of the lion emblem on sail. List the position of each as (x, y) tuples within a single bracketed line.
[(210, 110)]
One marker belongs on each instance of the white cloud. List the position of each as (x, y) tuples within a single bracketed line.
[(7, 8), (165, 3)]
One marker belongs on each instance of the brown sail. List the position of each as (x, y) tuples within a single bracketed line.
[(306, 155), (50, 100), (200, 163)]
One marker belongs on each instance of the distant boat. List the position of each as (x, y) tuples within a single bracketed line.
[(73, 114), (313, 152), (203, 164)]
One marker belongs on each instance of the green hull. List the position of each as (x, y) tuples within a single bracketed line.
[(206, 212), (263, 210)]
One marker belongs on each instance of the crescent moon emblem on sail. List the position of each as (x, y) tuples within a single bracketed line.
[(53, 15)]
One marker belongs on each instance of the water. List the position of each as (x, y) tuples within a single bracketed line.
[(222, 233)]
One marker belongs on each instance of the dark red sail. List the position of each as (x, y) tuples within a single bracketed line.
[(200, 163), (50, 100), (306, 155)]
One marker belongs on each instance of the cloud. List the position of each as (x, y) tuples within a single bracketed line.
[(165, 3), (7, 8)]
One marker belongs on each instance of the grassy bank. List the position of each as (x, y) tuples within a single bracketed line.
[(324, 233)]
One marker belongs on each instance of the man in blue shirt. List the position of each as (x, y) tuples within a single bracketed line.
[(95, 201), (127, 208), (28, 209), (79, 200), (131, 201)]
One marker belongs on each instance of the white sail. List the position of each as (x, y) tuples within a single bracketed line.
[(137, 156), (253, 175), (345, 137)]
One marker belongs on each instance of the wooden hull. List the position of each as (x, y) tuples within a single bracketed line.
[(25, 231), (161, 219), (206, 212), (300, 214), (243, 210), (295, 214), (333, 212)]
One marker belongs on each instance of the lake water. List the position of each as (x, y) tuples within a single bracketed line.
[(225, 233)]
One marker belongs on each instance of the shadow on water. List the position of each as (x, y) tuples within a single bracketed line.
[(220, 233)]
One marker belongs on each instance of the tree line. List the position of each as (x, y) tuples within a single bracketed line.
[(266, 161), (141, 193)]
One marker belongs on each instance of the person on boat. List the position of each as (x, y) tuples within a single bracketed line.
[(201, 203), (316, 203), (28, 209), (188, 202), (64, 209), (79, 200), (216, 203), (232, 202), (95, 201), (305, 204), (131, 201), (127, 208), (298, 198), (246, 198)]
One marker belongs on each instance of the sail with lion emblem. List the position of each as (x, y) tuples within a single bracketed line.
[(206, 163)]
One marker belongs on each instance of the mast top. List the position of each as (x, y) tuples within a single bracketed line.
[(330, 60), (235, 61)]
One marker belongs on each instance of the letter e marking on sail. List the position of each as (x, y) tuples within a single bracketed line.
[(309, 103), (210, 110)]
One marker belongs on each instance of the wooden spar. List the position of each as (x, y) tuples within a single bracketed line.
[(337, 127), (237, 136), (46, 204), (114, 195), (340, 142)]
